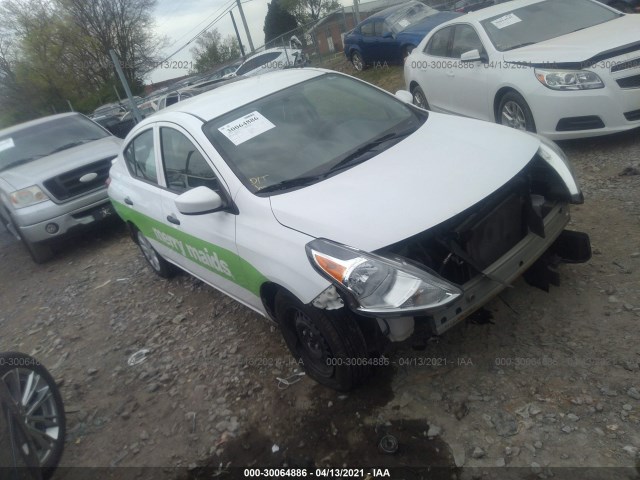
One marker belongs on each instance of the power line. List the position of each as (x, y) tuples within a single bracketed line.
[(200, 23), (229, 7)]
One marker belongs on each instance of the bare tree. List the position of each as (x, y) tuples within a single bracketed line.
[(122, 25)]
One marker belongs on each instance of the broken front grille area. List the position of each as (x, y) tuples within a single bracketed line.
[(461, 247), (68, 185)]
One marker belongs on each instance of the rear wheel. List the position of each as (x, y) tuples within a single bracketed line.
[(39, 406), (357, 61), (159, 265), (514, 112), (329, 343)]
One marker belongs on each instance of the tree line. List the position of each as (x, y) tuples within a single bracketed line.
[(56, 52)]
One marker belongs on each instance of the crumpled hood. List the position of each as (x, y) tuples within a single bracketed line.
[(42, 169), (445, 167), (582, 45)]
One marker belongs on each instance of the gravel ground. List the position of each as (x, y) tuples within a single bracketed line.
[(551, 380)]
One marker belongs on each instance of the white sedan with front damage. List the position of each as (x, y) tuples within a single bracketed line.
[(346, 214), (564, 69)]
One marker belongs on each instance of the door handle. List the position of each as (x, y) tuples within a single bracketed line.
[(172, 219), (128, 201)]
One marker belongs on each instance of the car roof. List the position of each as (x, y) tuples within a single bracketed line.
[(38, 121), (232, 95), (381, 15)]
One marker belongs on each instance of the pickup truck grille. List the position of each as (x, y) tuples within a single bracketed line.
[(68, 185)]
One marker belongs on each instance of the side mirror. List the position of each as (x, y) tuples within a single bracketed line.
[(405, 96), (198, 201), (387, 35), (472, 56)]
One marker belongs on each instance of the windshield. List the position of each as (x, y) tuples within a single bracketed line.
[(306, 132), (31, 143), (544, 20), (410, 14)]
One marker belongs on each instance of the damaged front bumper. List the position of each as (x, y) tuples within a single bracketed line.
[(497, 276)]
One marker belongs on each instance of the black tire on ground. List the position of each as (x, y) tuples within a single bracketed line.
[(419, 98), (357, 61), (40, 252), (46, 424), (513, 111), (158, 264), (328, 342)]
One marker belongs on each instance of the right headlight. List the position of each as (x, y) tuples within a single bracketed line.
[(568, 79), (380, 285), (28, 196)]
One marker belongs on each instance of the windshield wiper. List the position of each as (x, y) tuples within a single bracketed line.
[(69, 145), (525, 44), (293, 182), (349, 160), (20, 162)]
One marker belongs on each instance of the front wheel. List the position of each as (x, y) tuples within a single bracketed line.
[(39, 408), (40, 252), (419, 98), (357, 61), (329, 344), (514, 112)]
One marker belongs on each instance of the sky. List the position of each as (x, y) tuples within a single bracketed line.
[(180, 20)]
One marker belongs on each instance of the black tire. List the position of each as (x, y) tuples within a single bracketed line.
[(357, 61), (40, 252), (514, 112), (47, 438), (328, 343), (419, 98), (159, 265)]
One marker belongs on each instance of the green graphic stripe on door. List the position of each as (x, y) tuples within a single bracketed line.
[(219, 260)]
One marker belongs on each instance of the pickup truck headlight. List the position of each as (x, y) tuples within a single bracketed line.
[(380, 284), (28, 196), (568, 79)]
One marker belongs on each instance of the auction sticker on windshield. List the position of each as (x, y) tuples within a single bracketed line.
[(506, 20), (246, 128), (6, 144)]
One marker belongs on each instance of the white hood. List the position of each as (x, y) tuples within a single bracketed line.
[(445, 167), (582, 45)]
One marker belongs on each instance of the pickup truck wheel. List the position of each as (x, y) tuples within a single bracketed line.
[(357, 61), (39, 405), (329, 344), (40, 252), (159, 265)]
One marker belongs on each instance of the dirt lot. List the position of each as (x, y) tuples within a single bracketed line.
[(552, 380)]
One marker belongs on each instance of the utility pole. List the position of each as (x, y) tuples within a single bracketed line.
[(235, 27), (356, 11), (116, 64), (246, 28)]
